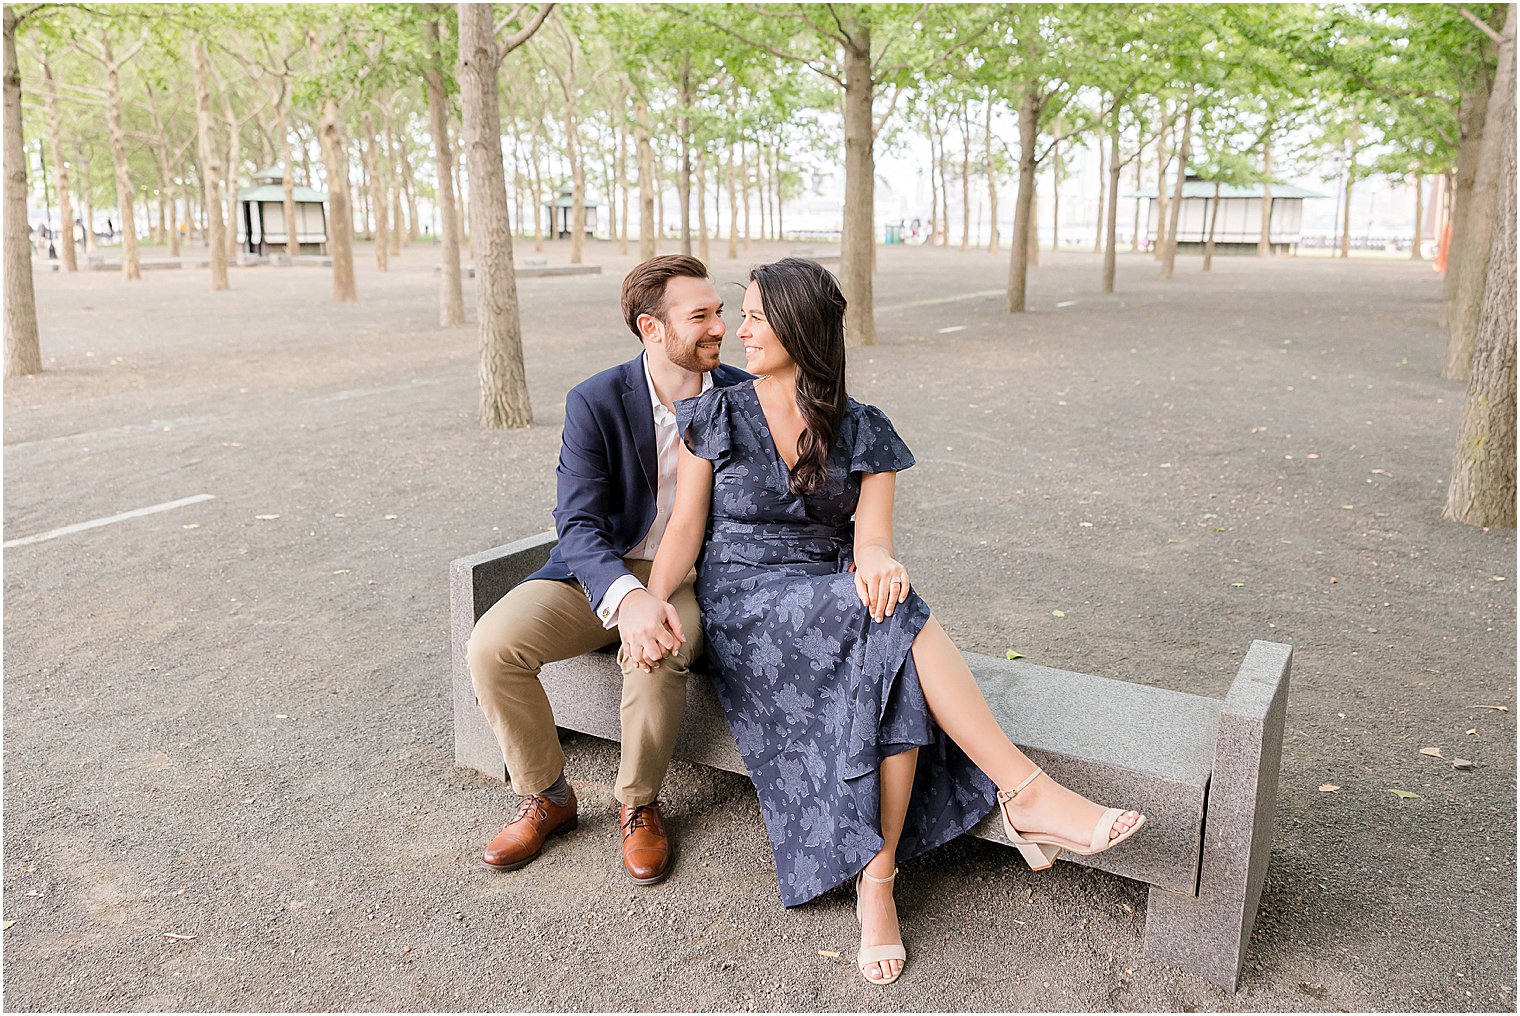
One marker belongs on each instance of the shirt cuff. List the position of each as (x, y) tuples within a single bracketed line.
[(608, 611)]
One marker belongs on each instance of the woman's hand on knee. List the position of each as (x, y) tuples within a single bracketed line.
[(881, 581)]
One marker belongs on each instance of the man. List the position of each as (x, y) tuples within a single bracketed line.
[(617, 474)]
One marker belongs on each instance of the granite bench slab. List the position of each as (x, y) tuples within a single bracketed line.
[(1203, 770)]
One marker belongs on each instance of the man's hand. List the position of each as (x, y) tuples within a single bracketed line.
[(650, 628)]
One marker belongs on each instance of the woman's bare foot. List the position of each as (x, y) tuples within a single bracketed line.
[(878, 918), (1044, 806)]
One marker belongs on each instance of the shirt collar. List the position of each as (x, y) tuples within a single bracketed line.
[(660, 412)]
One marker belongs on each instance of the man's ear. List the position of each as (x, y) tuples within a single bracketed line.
[(649, 327)]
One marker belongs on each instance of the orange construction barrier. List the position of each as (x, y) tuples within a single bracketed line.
[(1443, 248)]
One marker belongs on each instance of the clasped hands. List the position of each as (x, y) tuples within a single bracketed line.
[(650, 628)]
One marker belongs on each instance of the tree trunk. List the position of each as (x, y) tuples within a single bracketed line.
[(991, 164), (66, 251), (1110, 249), (397, 184), (944, 190), (763, 193), (503, 380), (23, 350), (131, 265), (1264, 246), (731, 166), (645, 157), (409, 179), (622, 183), (1055, 190), (683, 173), (234, 160), (211, 170), (1163, 204), (377, 192), (702, 251), (744, 186), (1472, 113), (577, 177), (781, 195), (1467, 307), (1419, 219), (1482, 488), (538, 192), (1102, 195), (340, 225), (362, 149), (966, 176), (287, 180), (1034, 221), (858, 245), (1169, 263), (1134, 233), (1208, 247), (1023, 209), (933, 176), (1346, 197), (450, 287)]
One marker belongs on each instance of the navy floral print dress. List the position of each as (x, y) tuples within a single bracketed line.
[(816, 692)]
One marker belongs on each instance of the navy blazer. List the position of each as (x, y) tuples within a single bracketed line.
[(608, 469)]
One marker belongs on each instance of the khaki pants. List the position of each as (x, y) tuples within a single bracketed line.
[(542, 621)]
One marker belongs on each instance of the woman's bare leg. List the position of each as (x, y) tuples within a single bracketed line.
[(877, 910), (956, 703)]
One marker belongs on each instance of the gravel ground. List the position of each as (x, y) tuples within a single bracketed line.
[(231, 720)]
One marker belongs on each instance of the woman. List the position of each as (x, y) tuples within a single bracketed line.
[(865, 734)]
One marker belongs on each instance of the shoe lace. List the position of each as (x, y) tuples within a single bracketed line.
[(640, 816), (534, 806)]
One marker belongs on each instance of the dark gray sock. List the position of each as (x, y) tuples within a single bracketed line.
[(559, 792)]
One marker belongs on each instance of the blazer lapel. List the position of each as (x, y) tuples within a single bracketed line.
[(640, 413)]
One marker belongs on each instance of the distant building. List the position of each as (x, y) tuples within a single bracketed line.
[(261, 216), (1238, 230), (562, 215)]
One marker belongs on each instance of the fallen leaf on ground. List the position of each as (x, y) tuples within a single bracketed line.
[(179, 938), (1461, 763), (342, 571), (1432, 752), (1348, 507), (1015, 656), (1402, 794), (6, 925), (390, 517), (191, 525), (266, 518), (1502, 709), (1237, 585), (1058, 613), (832, 954), (1329, 788), (1473, 731)]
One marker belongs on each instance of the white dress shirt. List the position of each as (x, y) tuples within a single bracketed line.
[(668, 453)]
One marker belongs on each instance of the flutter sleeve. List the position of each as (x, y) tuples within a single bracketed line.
[(878, 449), (703, 424)]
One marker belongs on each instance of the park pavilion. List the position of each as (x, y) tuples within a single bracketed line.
[(562, 214), (1238, 230), (261, 216)]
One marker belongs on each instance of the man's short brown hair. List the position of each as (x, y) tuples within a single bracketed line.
[(644, 287)]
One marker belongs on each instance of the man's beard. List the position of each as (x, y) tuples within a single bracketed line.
[(685, 357)]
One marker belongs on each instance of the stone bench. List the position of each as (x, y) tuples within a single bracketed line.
[(1204, 771)]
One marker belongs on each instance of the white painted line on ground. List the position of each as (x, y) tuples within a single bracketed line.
[(359, 393), (952, 328), (151, 426), (80, 527), (1067, 303), (981, 294)]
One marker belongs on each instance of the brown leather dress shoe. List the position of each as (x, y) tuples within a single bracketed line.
[(646, 848), (521, 840)]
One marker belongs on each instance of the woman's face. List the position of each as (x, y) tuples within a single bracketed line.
[(763, 352)]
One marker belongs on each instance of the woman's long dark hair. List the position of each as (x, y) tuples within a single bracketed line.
[(805, 308)]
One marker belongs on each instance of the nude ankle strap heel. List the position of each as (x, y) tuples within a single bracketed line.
[(1041, 850), (869, 956)]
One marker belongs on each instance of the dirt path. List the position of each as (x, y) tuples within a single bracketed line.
[(237, 728)]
